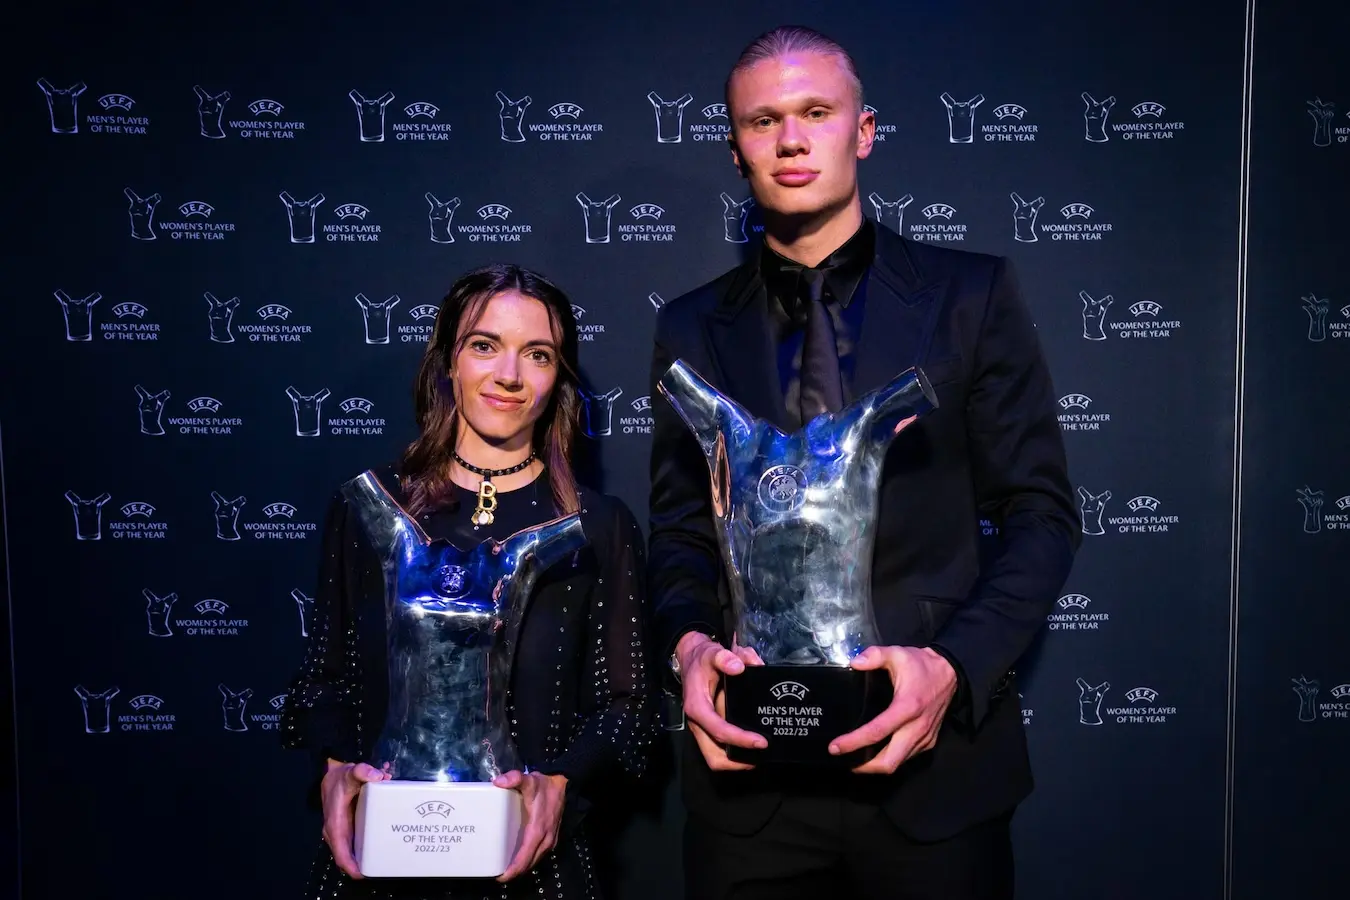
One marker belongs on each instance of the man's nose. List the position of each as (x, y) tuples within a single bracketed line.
[(792, 138)]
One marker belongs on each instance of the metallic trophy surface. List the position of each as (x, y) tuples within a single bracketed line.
[(453, 621), (795, 518)]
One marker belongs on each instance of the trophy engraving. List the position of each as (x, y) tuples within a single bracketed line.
[(453, 621), (795, 519)]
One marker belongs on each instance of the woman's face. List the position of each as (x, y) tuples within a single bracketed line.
[(506, 368)]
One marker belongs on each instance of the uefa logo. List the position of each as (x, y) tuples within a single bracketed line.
[(782, 488)]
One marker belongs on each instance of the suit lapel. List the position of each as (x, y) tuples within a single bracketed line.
[(902, 308), (742, 347), (901, 315)]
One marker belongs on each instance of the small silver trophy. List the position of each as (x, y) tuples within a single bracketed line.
[(796, 521), (453, 622)]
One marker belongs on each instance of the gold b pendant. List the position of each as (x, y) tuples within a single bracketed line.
[(487, 502)]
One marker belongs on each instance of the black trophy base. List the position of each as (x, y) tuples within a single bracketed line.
[(800, 709)]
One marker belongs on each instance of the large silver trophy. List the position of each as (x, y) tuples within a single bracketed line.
[(795, 518), (453, 621)]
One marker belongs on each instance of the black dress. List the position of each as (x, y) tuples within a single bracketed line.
[(579, 701)]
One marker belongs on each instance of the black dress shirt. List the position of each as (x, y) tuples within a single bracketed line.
[(846, 270)]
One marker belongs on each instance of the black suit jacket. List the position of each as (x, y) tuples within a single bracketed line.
[(992, 449)]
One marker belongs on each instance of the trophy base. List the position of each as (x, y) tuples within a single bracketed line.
[(800, 709), (427, 829)]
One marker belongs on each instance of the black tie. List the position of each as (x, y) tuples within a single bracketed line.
[(822, 388)]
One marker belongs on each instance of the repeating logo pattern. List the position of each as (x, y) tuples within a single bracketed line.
[(596, 214), (103, 712), (588, 327), (1081, 414), (376, 317), (712, 124), (370, 115), (195, 220), (1317, 519), (734, 213), (452, 209), (637, 419), (130, 321), (1314, 706), (969, 118), (206, 618), (566, 122), (669, 117), (281, 521), (1010, 123), (1325, 322), (961, 118), (134, 520), (117, 114), (267, 120), (1077, 612), (1142, 706), (1144, 515), (440, 215), (597, 412), (1146, 320), (1077, 222), (423, 122), (1328, 127)]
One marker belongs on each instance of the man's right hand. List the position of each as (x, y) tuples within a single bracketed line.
[(340, 787), (702, 663)]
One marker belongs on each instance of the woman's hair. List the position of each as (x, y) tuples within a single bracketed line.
[(425, 466)]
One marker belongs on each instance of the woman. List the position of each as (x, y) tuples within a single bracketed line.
[(497, 402)]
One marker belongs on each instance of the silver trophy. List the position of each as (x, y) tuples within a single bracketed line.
[(453, 621), (795, 518)]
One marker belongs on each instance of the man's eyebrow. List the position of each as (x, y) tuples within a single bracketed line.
[(765, 109)]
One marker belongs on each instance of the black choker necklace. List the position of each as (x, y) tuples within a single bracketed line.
[(487, 491)]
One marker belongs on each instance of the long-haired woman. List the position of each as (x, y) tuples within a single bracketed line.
[(497, 399)]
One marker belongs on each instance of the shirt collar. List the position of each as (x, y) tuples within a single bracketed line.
[(845, 268)]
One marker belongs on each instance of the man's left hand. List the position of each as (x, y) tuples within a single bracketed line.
[(924, 684)]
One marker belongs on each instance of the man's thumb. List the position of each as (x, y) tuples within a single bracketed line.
[(728, 663), (871, 658)]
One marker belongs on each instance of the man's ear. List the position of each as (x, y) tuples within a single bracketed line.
[(867, 132)]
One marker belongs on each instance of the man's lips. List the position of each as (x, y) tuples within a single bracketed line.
[(794, 177)]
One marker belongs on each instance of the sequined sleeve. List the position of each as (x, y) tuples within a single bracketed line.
[(321, 705), (617, 722)]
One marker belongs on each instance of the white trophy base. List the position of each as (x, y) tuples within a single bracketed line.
[(426, 829)]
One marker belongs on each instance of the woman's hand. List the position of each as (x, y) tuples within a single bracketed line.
[(544, 796), (339, 789)]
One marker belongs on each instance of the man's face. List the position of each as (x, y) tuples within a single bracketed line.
[(797, 133)]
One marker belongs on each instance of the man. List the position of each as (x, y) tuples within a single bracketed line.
[(929, 816)]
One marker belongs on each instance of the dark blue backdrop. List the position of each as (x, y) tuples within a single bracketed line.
[(230, 230)]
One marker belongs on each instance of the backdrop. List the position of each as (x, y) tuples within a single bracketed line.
[(231, 230)]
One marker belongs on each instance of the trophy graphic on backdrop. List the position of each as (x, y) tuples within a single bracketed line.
[(796, 521), (453, 620)]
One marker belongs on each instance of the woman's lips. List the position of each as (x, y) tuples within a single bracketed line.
[(503, 403)]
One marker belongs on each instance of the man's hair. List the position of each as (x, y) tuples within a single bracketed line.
[(787, 39)]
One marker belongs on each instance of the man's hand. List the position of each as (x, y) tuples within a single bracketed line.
[(924, 684), (702, 662)]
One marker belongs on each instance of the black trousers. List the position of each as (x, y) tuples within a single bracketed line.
[(817, 847)]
